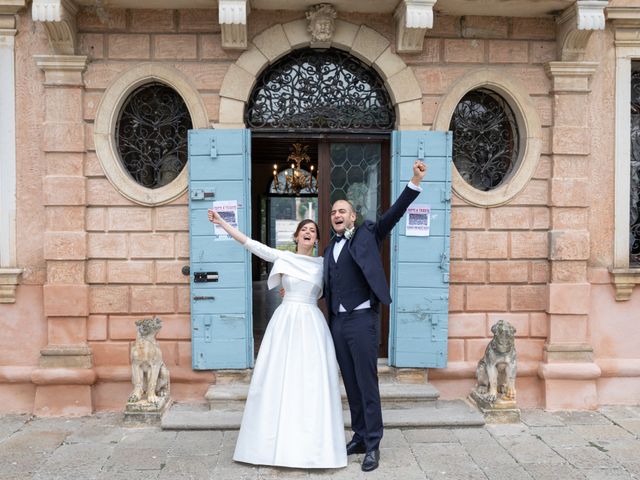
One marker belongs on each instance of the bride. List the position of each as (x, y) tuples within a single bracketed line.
[(293, 415)]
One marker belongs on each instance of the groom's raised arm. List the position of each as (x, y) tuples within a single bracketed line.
[(391, 217)]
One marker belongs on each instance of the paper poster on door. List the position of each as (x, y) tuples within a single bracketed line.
[(418, 220), (228, 210)]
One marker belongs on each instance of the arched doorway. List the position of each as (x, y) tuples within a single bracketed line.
[(323, 116)]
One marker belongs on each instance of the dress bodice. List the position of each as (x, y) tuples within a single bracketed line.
[(300, 290), (299, 275)]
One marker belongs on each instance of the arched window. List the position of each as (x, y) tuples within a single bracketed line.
[(320, 90), (151, 135)]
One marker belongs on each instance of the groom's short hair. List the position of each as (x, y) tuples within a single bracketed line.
[(346, 201)]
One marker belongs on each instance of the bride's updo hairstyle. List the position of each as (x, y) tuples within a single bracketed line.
[(299, 227)]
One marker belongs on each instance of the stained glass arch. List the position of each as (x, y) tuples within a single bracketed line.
[(320, 90)]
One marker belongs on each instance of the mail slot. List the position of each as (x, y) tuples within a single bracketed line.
[(201, 277)]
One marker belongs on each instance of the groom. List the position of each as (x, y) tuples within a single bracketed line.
[(354, 287)]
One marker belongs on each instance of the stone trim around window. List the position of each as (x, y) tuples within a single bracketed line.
[(626, 21), (528, 124), (361, 41), (105, 128)]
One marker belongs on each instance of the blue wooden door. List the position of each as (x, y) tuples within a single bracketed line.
[(420, 265), (221, 300)]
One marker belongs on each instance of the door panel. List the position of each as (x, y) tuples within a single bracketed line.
[(219, 169), (420, 265)]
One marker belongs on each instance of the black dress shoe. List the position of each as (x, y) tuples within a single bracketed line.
[(371, 460), (355, 447)]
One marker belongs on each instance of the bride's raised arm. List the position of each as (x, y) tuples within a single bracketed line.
[(266, 253)]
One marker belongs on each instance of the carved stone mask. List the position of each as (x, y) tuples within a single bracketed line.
[(321, 22)]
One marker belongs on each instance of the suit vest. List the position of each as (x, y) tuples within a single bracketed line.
[(347, 283)]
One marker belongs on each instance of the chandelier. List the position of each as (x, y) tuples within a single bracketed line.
[(295, 179)]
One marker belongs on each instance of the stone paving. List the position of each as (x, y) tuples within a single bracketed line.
[(562, 445)]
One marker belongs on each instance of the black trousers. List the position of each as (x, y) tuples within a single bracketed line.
[(355, 336)]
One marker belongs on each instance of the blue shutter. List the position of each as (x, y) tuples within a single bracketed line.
[(221, 329), (420, 265)]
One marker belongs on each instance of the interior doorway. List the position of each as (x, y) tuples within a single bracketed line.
[(354, 167)]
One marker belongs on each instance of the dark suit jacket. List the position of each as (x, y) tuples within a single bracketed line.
[(365, 245)]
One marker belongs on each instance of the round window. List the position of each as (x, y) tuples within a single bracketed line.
[(485, 139), (151, 135)]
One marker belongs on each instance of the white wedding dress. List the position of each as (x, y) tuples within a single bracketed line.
[(293, 415)]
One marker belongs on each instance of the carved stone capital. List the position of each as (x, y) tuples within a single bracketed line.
[(570, 76), (232, 16), (9, 279), (575, 26), (59, 19), (413, 18), (62, 69)]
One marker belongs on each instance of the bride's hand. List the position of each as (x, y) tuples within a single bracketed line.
[(214, 217)]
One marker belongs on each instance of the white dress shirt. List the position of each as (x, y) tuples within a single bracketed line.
[(337, 248)]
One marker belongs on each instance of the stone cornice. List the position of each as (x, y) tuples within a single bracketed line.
[(413, 18), (232, 16), (59, 19), (575, 26)]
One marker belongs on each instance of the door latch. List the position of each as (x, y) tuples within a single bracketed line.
[(199, 194), (202, 277)]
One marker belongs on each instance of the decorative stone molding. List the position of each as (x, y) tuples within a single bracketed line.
[(8, 282), (413, 18), (105, 128), (59, 18), (363, 42), (575, 26), (528, 123), (232, 16)]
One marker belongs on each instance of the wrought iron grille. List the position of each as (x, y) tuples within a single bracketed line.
[(356, 176), (485, 139), (314, 89), (634, 220), (151, 134)]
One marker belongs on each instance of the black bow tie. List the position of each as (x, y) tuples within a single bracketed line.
[(339, 238)]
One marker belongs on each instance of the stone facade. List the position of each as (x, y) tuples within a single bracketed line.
[(93, 260)]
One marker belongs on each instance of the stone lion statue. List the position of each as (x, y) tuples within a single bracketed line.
[(149, 375), (321, 22), (496, 371)]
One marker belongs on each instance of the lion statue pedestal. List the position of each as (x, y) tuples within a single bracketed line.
[(149, 375), (495, 391)]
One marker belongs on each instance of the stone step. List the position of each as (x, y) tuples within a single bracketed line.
[(232, 397), (437, 414)]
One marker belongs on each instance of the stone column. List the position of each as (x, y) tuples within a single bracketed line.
[(9, 273), (64, 379), (67, 375), (569, 372)]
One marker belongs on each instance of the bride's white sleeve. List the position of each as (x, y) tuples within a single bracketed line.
[(266, 253)]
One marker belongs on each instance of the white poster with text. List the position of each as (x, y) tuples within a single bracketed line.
[(418, 220), (228, 210)]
